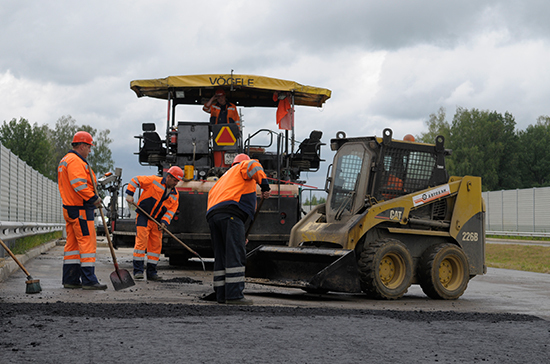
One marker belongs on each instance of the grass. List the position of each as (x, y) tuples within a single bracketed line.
[(530, 258), (24, 244)]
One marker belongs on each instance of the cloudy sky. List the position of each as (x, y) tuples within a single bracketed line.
[(388, 63)]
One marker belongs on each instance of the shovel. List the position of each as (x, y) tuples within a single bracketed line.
[(212, 296), (163, 227), (120, 278)]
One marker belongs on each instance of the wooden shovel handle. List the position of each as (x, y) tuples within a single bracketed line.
[(111, 248)]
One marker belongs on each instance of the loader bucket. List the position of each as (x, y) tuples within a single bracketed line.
[(315, 269)]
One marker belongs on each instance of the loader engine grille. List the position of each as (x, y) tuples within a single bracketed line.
[(439, 210), (404, 171)]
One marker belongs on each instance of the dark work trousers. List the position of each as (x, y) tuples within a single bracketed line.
[(228, 242)]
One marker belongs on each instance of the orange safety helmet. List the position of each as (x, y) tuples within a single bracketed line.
[(220, 92), (239, 158), (176, 172), (83, 137)]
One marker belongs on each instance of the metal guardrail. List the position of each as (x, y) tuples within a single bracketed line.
[(10, 230), (518, 233)]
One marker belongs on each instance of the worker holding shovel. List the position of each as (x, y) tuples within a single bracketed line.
[(231, 202), (76, 187), (159, 199)]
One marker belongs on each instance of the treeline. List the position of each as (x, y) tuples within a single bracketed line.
[(42, 148), (315, 201), (487, 144)]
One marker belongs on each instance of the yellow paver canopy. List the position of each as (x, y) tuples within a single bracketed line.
[(242, 90)]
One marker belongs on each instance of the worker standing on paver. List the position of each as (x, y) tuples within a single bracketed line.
[(159, 199), (74, 177), (231, 202), (221, 111)]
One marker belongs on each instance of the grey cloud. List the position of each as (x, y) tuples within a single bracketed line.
[(73, 42)]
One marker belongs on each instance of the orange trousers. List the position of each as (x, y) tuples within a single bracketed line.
[(148, 241), (80, 248)]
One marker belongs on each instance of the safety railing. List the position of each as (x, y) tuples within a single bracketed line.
[(10, 230), (518, 233), (30, 203)]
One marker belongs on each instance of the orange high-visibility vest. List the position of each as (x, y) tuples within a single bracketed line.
[(75, 182), (238, 186), (214, 110), (393, 187), (153, 199)]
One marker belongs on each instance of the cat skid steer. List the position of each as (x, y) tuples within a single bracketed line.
[(393, 218)]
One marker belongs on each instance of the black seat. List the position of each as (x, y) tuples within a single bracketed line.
[(152, 145), (308, 155)]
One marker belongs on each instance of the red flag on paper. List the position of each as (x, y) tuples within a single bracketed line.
[(285, 112)]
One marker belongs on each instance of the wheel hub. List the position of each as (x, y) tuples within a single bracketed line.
[(445, 273), (391, 271), (387, 270)]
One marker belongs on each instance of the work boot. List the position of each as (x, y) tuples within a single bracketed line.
[(241, 301), (72, 286), (96, 287), (138, 276), (154, 277)]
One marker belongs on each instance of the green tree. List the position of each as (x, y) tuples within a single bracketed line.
[(100, 157), (62, 136), (31, 143), (42, 148), (437, 125), (534, 152), (483, 143)]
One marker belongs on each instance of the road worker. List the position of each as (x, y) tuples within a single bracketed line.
[(159, 199), (231, 202), (393, 188), (221, 111), (74, 177)]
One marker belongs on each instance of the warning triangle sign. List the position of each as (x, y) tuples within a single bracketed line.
[(225, 137)]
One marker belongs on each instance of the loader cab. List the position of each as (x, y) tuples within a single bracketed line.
[(350, 175)]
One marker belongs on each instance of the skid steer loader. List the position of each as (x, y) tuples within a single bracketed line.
[(393, 218)]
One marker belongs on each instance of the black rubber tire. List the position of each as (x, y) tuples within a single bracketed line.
[(385, 269), (443, 272)]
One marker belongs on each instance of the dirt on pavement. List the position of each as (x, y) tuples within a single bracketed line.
[(127, 333), (168, 322)]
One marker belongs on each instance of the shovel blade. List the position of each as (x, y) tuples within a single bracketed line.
[(121, 279)]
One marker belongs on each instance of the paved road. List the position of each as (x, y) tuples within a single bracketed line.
[(499, 291), (502, 318)]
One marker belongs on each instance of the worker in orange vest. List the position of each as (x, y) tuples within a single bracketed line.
[(221, 111), (231, 202), (159, 199), (393, 187), (74, 177)]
